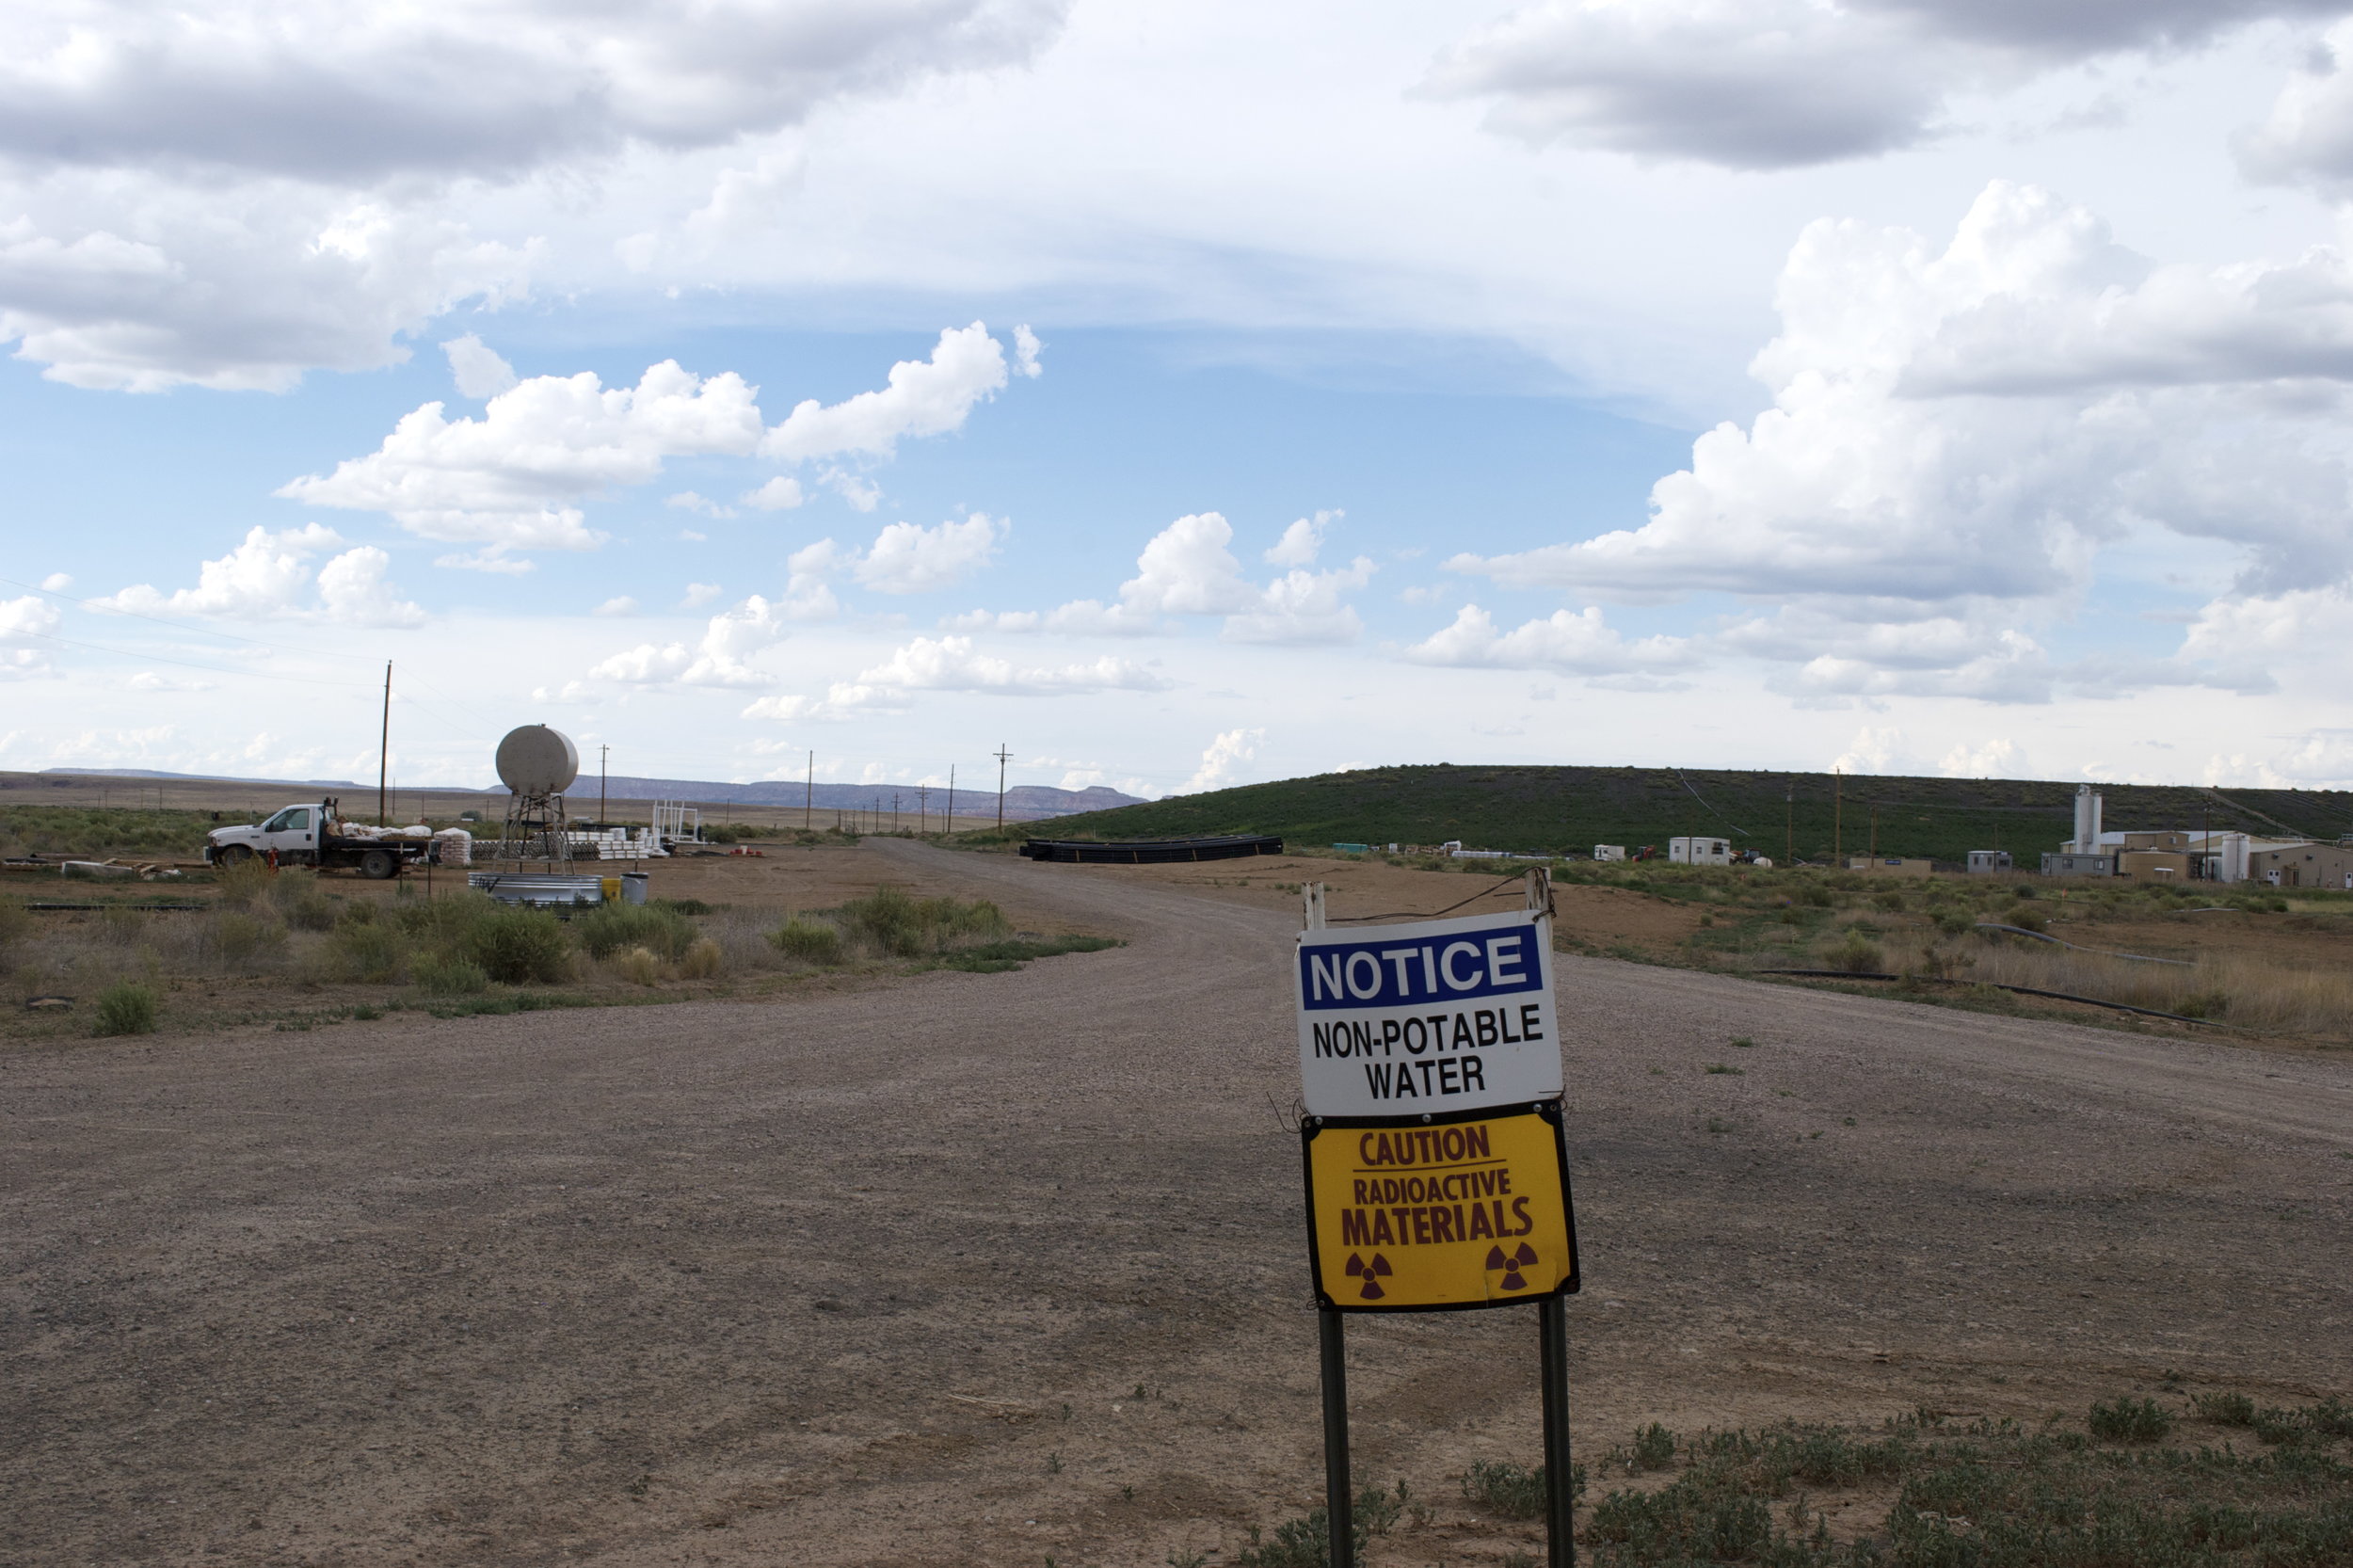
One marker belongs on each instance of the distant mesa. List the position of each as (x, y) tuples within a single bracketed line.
[(1023, 802)]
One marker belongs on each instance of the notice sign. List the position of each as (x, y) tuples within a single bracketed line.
[(1434, 1017), (1463, 1212)]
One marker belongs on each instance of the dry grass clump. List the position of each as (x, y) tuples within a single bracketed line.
[(702, 960), (638, 966), (2251, 991)]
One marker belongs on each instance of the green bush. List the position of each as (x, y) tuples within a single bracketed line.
[(1816, 895), (610, 927), (899, 926), (127, 1007), (1654, 1446), (2229, 1410), (518, 946), (296, 895), (237, 936), (369, 951), (1514, 1490), (1856, 955), (1307, 1542), (810, 941), (448, 976), (2130, 1420)]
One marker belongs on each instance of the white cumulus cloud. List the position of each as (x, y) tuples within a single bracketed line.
[(924, 398), (720, 658), (1957, 436), (956, 664), (1575, 643), (477, 368), (906, 559), (1223, 758), (512, 479), (1778, 84), (269, 577)]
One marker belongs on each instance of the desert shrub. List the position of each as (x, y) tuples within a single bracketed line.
[(127, 1007), (2230, 1410), (1856, 955), (1307, 1542), (610, 927), (245, 884), (1891, 902), (369, 951), (362, 913), (638, 966), (1514, 1490), (1685, 1522), (899, 926), (684, 905), (448, 976), (1954, 922), (702, 959), (296, 897), (238, 936), (1654, 1446), (2026, 919), (444, 922), (2129, 1420), (1816, 895), (810, 941), (518, 946)]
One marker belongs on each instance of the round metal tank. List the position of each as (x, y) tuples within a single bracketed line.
[(537, 761)]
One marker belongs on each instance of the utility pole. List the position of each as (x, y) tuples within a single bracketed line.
[(810, 799), (922, 808), (1838, 819), (1003, 757), (894, 810), (952, 798), (1789, 823), (384, 749), (602, 752)]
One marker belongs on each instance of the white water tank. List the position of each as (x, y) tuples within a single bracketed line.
[(537, 761)]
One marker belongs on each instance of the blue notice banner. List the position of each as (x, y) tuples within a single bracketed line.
[(1383, 970)]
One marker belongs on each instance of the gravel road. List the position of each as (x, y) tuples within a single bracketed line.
[(979, 1268)]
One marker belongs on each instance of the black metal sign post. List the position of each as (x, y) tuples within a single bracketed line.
[(1340, 1508), (1457, 1208)]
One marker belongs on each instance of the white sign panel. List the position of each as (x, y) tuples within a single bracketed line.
[(1437, 1015)]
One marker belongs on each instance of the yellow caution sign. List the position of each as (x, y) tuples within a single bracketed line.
[(1471, 1211)]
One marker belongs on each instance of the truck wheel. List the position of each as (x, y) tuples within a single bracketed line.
[(233, 855), (377, 865)]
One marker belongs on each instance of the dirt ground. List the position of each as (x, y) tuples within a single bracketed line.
[(988, 1269)]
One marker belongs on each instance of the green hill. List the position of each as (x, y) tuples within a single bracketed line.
[(1557, 810)]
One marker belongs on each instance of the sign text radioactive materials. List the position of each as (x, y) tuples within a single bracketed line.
[(1468, 1213)]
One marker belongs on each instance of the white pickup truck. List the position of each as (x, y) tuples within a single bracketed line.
[(314, 834)]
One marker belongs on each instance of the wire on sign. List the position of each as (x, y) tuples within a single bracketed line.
[(1408, 915)]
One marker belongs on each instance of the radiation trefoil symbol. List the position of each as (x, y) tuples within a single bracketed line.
[(1371, 1274), (1511, 1263)]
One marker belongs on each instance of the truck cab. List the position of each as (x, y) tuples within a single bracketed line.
[(292, 832)]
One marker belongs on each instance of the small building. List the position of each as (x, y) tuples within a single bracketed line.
[(1608, 852), (1892, 865), (2153, 865), (1698, 852), (1986, 860), (2068, 862), (2309, 865)]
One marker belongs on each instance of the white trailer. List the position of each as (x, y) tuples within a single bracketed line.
[(1608, 852), (1698, 852)]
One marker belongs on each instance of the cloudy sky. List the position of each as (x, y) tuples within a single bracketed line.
[(1179, 396)]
